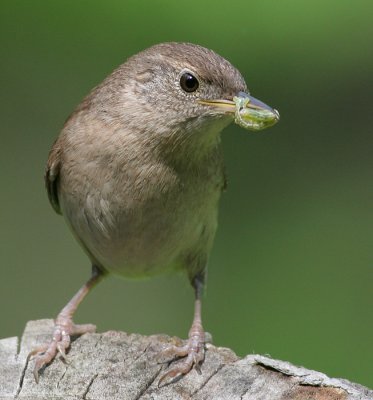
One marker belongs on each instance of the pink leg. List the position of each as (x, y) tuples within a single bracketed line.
[(194, 348), (64, 327)]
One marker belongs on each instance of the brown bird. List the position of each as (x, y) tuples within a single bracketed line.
[(137, 173)]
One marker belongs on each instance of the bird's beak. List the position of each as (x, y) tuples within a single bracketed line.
[(249, 112)]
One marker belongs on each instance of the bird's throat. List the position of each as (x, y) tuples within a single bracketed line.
[(189, 145)]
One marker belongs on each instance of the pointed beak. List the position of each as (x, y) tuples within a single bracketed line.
[(249, 112)]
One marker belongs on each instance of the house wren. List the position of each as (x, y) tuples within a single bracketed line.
[(137, 172)]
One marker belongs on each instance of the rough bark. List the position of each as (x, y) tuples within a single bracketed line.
[(117, 365)]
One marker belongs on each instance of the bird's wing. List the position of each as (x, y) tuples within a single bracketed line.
[(52, 174)]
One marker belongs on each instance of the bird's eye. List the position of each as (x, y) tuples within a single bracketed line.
[(188, 82)]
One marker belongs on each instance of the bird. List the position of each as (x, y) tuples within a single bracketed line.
[(137, 172)]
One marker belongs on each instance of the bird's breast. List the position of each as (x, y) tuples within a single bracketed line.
[(142, 218)]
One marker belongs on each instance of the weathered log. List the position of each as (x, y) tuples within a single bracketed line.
[(117, 365)]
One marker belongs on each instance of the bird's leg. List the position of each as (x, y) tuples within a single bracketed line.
[(64, 327), (194, 348)]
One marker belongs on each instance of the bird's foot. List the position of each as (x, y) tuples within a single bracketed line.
[(64, 328), (194, 352)]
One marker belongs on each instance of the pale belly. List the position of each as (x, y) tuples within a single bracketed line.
[(136, 236)]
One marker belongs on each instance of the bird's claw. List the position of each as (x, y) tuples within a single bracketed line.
[(60, 343), (194, 353), (45, 354)]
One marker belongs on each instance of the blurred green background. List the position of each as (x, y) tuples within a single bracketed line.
[(291, 272)]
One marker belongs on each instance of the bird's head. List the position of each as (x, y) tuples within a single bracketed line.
[(178, 90), (185, 81)]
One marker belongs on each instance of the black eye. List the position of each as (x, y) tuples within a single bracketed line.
[(188, 82)]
